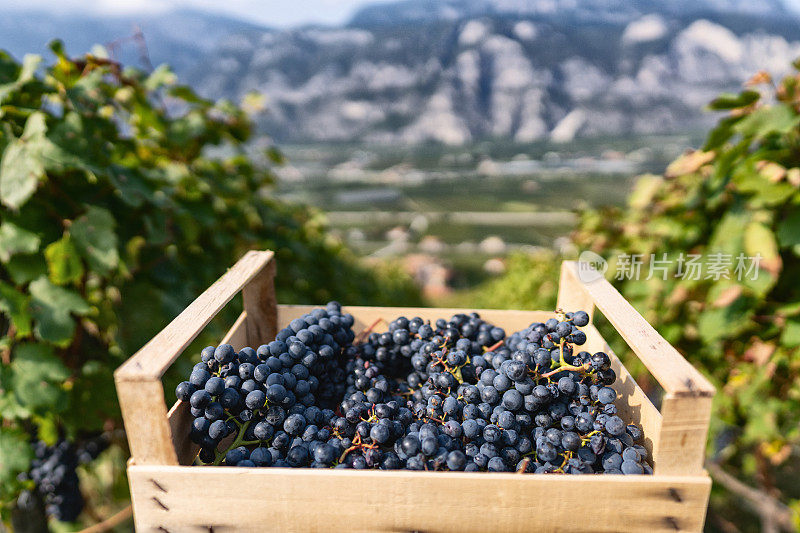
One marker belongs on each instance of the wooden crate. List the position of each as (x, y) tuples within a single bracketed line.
[(168, 495)]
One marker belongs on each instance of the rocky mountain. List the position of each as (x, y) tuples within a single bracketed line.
[(457, 71), (177, 37)]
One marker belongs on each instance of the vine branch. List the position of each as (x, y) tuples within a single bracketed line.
[(775, 516)]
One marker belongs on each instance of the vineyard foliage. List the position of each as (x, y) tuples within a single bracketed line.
[(124, 195), (738, 194)]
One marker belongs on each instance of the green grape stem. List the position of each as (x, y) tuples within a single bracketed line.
[(238, 441)]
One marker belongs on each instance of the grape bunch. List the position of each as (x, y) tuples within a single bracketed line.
[(453, 395), (289, 383), (54, 472)]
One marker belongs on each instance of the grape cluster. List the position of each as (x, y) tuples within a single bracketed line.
[(250, 395), (53, 470), (54, 473), (452, 395)]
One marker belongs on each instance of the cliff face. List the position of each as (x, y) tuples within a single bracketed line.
[(460, 70)]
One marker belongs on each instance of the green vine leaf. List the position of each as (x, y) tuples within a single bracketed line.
[(94, 237), (26, 268), (22, 166), (52, 309), (16, 306), (63, 261), (733, 101), (38, 378), (27, 71), (789, 229), (16, 454), (15, 240), (768, 120), (791, 334)]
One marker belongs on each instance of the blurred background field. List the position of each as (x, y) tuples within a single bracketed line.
[(435, 152)]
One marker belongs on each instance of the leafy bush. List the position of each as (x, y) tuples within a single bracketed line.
[(739, 194), (124, 195)]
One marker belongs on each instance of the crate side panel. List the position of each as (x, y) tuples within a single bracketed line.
[(510, 320), (250, 499), (180, 420), (632, 402), (237, 335)]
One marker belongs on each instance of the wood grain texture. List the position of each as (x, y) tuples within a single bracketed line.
[(571, 296), (365, 316), (672, 371), (144, 413), (156, 356), (261, 307), (279, 499), (180, 420), (237, 335), (632, 402), (682, 439)]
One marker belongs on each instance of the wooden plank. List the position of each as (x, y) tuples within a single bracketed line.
[(571, 296), (180, 419), (144, 413), (260, 304), (632, 402), (682, 440), (278, 499), (237, 335), (157, 355), (510, 320), (672, 371)]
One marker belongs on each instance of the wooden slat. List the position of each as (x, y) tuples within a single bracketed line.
[(571, 296), (157, 355), (278, 499), (237, 335), (260, 305), (510, 320), (672, 371), (632, 402), (144, 413), (684, 428), (180, 419)]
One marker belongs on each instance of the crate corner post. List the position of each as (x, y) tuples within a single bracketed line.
[(261, 305), (571, 294)]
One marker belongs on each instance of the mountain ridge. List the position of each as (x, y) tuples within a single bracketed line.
[(461, 79), (457, 72)]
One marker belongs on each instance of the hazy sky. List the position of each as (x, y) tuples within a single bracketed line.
[(270, 12)]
